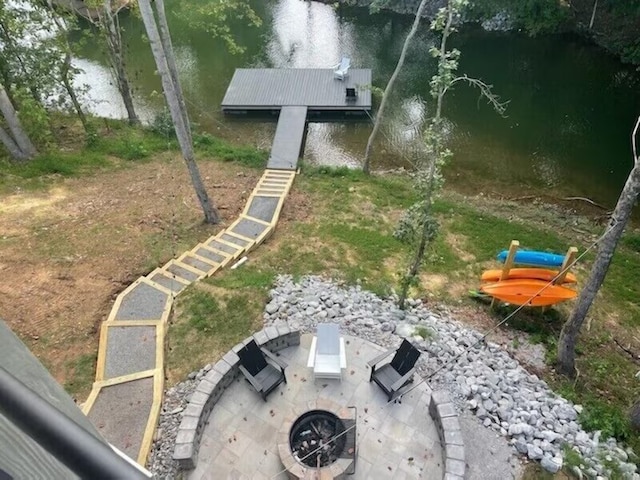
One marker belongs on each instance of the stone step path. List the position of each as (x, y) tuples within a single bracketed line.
[(124, 403)]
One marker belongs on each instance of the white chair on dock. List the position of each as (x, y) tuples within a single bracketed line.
[(342, 69), (327, 355)]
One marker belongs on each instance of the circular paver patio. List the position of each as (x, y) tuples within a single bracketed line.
[(394, 441)]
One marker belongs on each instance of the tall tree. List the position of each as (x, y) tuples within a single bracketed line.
[(606, 248), (65, 70), (16, 141), (366, 164), (163, 55), (418, 226), (108, 23)]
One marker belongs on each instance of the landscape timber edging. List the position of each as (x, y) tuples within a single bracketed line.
[(443, 413), (213, 385)]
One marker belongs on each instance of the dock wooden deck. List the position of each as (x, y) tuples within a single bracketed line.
[(296, 96), (267, 90)]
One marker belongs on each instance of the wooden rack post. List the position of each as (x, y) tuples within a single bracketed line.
[(566, 265), (508, 263)]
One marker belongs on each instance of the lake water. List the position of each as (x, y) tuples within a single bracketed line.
[(567, 130)]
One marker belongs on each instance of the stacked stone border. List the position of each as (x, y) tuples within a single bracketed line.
[(126, 397), (213, 385), (444, 414)]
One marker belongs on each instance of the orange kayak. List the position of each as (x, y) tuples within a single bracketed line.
[(528, 292), (527, 273)]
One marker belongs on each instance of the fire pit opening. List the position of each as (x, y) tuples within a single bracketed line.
[(312, 438)]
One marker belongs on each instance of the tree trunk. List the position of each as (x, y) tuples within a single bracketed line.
[(593, 14), (165, 37), (387, 91), (66, 82), (177, 114), (413, 268), (634, 416), (11, 146), (608, 243), (19, 136), (111, 27)]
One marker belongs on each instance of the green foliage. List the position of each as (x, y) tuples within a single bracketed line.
[(33, 117), (632, 241), (424, 332), (217, 18), (534, 16), (81, 374), (333, 172), (245, 277), (600, 415), (418, 227), (415, 223), (52, 163), (216, 147), (132, 144), (225, 318), (163, 124), (571, 457)]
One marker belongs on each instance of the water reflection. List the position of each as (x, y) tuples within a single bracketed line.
[(102, 97), (311, 35), (307, 35), (570, 102)]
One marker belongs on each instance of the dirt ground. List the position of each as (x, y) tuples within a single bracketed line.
[(67, 252)]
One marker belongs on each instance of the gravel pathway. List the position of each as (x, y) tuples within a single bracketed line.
[(485, 382)]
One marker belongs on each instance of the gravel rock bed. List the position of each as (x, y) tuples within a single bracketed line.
[(481, 377), (479, 374), (176, 398)]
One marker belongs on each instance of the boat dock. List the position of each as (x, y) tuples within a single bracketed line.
[(294, 97)]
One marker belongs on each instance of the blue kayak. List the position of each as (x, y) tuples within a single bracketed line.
[(534, 258)]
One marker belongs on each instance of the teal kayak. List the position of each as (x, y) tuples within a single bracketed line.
[(534, 258)]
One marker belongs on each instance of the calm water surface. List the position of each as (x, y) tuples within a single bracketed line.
[(567, 130)]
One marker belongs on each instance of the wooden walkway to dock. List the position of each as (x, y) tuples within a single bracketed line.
[(126, 398), (125, 401)]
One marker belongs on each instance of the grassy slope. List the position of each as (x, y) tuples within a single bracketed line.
[(339, 223)]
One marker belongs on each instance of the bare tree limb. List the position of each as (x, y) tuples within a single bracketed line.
[(636, 159), (633, 355), (485, 91), (588, 200)]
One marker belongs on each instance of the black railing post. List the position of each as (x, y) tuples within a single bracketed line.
[(72, 445)]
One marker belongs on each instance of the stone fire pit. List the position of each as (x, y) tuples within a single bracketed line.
[(318, 442)]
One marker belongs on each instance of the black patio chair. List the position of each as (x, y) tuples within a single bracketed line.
[(392, 376), (261, 368)]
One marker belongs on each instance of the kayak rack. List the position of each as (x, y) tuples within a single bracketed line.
[(536, 258)]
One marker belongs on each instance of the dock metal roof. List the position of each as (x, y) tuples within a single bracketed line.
[(315, 88)]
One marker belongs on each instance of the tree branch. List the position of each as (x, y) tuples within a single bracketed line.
[(588, 200), (634, 356), (485, 91), (636, 159)]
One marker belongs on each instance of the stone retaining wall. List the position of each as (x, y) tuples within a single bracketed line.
[(444, 414), (213, 385)]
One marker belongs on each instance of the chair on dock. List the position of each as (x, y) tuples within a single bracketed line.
[(261, 368), (392, 376), (341, 70)]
